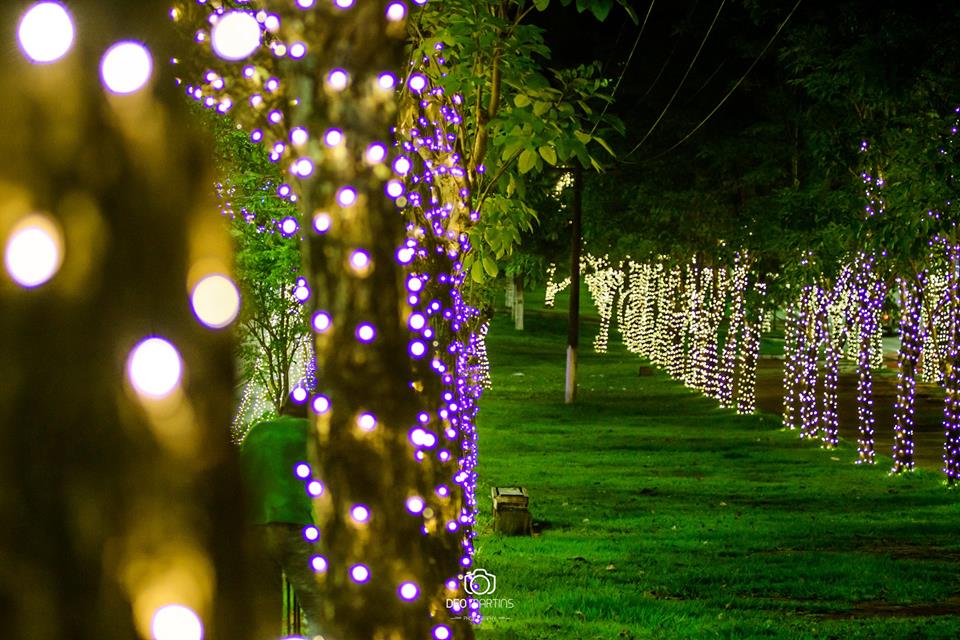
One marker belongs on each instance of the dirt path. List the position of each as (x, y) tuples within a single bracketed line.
[(928, 429)]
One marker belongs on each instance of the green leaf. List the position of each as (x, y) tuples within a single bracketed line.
[(521, 100), (630, 12), (476, 271), (603, 143), (490, 266), (541, 5), (540, 108), (582, 137), (549, 154), (527, 160), (601, 9)]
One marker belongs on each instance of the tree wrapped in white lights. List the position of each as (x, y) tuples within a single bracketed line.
[(121, 507), (316, 83)]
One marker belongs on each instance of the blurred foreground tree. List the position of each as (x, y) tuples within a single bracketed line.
[(117, 487)]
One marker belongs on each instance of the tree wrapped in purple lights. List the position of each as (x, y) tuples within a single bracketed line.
[(317, 83)]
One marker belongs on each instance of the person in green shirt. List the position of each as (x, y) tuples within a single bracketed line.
[(273, 458)]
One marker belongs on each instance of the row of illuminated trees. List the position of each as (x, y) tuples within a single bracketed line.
[(390, 128), (823, 198)]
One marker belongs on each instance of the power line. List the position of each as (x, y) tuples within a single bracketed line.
[(734, 88), (682, 80), (624, 70)]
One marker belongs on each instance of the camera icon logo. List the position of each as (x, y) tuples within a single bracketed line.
[(480, 582)]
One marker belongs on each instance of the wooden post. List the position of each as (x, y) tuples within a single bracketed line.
[(573, 336)]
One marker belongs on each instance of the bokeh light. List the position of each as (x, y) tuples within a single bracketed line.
[(216, 301), (176, 622), (154, 368), (359, 573), (409, 591), (235, 36), (34, 251), (126, 67), (45, 32)]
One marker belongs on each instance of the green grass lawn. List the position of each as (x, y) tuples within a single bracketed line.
[(661, 516)]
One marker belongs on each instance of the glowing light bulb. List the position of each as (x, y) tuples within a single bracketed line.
[(303, 167), (343, 4), (235, 36), (415, 505), (346, 196), (417, 82), (375, 153), (272, 23), (417, 349), (315, 488), (359, 573), (216, 301), (338, 79), (34, 251), (322, 222), (299, 136), (402, 165), (360, 513), (321, 321), (126, 67), (318, 564), (408, 591), (302, 470), (333, 137), (301, 292), (359, 260), (154, 368), (311, 533), (366, 332), (396, 11), (366, 422), (394, 189), (417, 321), (298, 50), (441, 632), (386, 81), (298, 395), (320, 405), (289, 226), (405, 255), (176, 622), (45, 32)]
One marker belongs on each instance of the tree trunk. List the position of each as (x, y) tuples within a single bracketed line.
[(371, 393), (951, 405), (114, 503), (518, 303), (911, 301), (573, 333)]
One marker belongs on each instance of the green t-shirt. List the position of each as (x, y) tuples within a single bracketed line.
[(268, 455)]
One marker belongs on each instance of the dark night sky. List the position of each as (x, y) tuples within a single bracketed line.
[(675, 31)]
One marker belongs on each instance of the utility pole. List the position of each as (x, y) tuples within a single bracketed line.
[(573, 336)]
